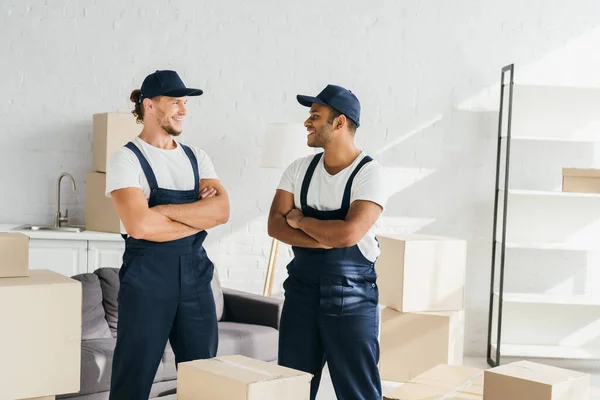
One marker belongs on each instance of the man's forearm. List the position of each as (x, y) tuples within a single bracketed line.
[(202, 214), (332, 233), (159, 228), (280, 230)]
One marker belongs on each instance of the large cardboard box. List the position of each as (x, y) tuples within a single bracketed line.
[(581, 180), (421, 272), (100, 214), (412, 343), (42, 398), (442, 382), (111, 131), (525, 380), (240, 378), (14, 255), (40, 335)]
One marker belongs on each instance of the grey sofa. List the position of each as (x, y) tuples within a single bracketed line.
[(248, 325)]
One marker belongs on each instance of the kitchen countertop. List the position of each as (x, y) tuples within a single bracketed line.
[(57, 235)]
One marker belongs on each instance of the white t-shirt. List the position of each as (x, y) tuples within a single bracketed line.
[(172, 169), (326, 191)]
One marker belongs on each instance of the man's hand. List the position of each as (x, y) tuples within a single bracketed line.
[(208, 192), (293, 217)]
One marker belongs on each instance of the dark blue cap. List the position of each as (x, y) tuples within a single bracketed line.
[(165, 83), (338, 98)]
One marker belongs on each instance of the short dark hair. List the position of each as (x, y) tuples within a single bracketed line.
[(335, 113)]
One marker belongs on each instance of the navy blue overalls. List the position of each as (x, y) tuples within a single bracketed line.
[(330, 311), (165, 293)]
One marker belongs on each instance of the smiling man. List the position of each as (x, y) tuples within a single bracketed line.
[(325, 207), (167, 195)]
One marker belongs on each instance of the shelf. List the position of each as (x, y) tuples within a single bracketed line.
[(544, 298), (552, 246), (551, 193), (555, 139), (540, 351)]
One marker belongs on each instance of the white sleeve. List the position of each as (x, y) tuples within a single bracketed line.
[(206, 169), (288, 179), (369, 185), (122, 171)]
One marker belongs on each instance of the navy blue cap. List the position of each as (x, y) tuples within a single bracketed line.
[(165, 83), (338, 98)]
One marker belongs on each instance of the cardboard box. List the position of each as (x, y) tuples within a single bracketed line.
[(525, 380), (412, 343), (240, 378), (421, 272), (100, 213), (581, 180), (442, 382), (42, 398), (40, 335), (14, 255), (111, 132)]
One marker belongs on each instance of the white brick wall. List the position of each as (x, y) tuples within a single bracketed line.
[(411, 63)]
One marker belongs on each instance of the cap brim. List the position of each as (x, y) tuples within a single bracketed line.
[(308, 101), (184, 92)]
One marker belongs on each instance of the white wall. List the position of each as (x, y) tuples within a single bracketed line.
[(412, 63)]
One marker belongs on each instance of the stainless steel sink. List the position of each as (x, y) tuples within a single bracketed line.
[(73, 228)]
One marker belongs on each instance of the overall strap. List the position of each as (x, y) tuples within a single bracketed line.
[(145, 165), (307, 179), (348, 190), (194, 161)]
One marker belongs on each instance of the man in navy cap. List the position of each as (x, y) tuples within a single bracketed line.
[(325, 208), (167, 195)]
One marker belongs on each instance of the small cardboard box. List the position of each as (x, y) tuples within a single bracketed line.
[(442, 382), (412, 343), (580, 180), (421, 272), (14, 255), (240, 378), (111, 131), (40, 335), (100, 213), (525, 380)]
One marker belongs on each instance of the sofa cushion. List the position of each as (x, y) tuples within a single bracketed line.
[(109, 281), (93, 319), (96, 365), (254, 341)]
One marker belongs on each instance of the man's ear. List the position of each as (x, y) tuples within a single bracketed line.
[(341, 121)]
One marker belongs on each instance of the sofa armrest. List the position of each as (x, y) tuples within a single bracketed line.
[(248, 308)]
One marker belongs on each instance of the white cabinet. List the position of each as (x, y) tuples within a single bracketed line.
[(67, 257), (102, 254), (72, 257)]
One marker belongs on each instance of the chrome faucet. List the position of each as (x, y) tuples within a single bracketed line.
[(58, 218)]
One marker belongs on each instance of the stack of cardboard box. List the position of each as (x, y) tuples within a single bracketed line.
[(111, 132), (522, 380), (40, 339), (581, 180), (421, 281)]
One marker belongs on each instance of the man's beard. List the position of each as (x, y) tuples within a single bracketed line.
[(169, 129), (321, 137)]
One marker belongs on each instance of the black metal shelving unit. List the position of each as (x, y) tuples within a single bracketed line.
[(504, 86)]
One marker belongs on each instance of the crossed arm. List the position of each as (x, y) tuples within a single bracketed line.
[(287, 224), (173, 221)]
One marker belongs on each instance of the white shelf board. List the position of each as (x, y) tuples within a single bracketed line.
[(544, 298), (551, 193), (555, 139), (541, 351), (552, 246)]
